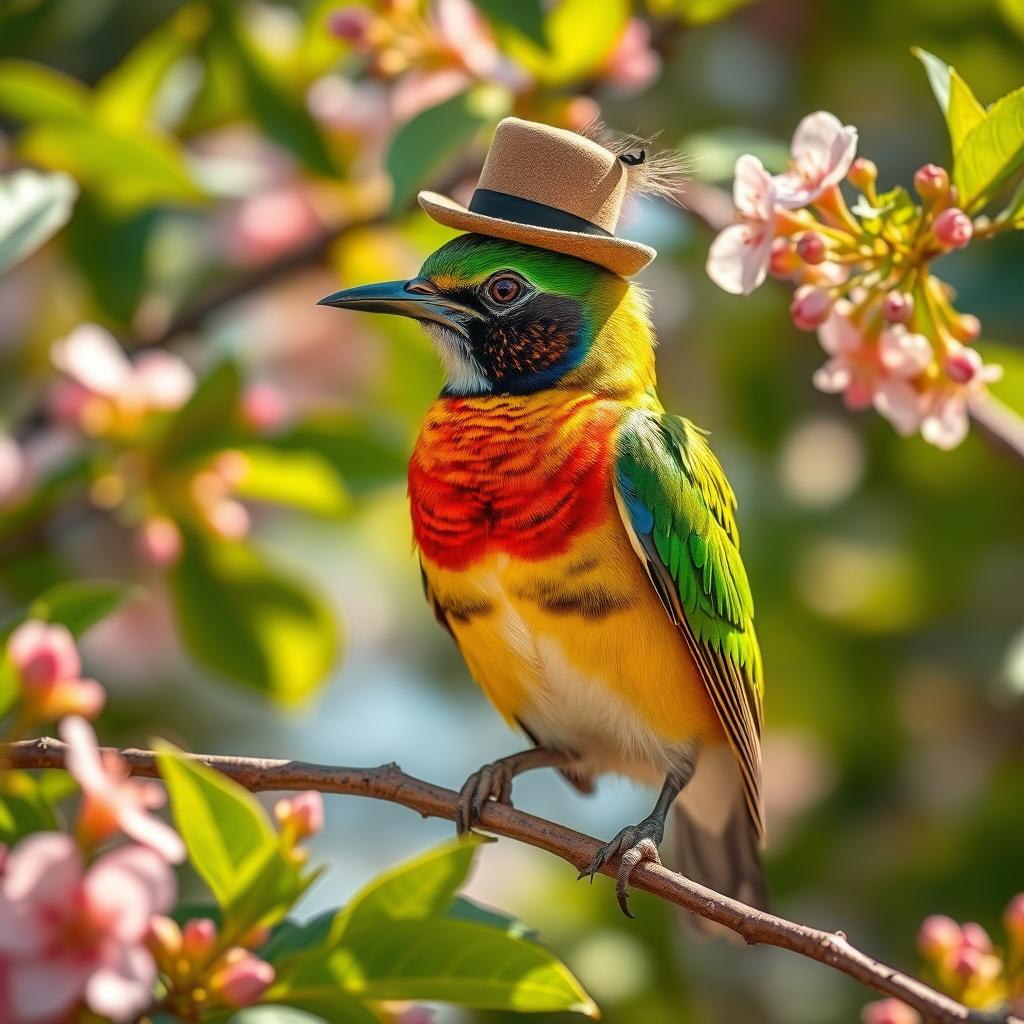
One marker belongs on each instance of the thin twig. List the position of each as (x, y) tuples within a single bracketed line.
[(389, 783)]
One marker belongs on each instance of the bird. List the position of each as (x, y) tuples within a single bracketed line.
[(577, 541)]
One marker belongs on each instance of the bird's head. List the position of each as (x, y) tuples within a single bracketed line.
[(507, 318)]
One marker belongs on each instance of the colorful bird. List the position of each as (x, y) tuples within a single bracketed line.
[(577, 541)]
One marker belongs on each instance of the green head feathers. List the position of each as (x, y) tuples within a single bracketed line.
[(508, 318)]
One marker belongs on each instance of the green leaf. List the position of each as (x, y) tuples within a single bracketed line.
[(32, 92), (366, 454), (580, 34), (456, 962), (964, 111), (414, 890), (33, 207), (201, 423), (10, 687), (24, 807), (991, 151), (224, 827), (525, 16), (283, 117), (79, 604), (1014, 212), (266, 888), (937, 71), (423, 146), (299, 479), (250, 622), (290, 938), (465, 909), (131, 170), (332, 1006), (126, 96)]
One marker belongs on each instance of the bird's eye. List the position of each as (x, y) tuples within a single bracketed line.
[(504, 289)]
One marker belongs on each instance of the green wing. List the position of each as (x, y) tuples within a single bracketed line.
[(678, 508)]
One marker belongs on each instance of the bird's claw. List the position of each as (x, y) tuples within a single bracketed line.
[(492, 782), (634, 844)]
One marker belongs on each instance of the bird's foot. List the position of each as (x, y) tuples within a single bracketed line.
[(635, 843), (492, 782)]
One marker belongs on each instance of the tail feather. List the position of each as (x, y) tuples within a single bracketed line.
[(715, 841)]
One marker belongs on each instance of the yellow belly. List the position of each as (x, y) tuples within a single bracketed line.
[(579, 650)]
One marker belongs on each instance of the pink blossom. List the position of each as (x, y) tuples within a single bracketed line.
[(198, 938), (67, 934), (822, 151), (242, 979), (462, 30), (877, 374), (105, 385), (12, 468), (159, 541), (48, 667), (946, 422), (739, 257), (270, 223), (953, 228), (1013, 917), (633, 65), (112, 800), (352, 24), (889, 1011), (303, 813), (975, 936), (264, 407), (863, 173)]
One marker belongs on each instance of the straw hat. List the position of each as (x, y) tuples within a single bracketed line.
[(550, 188)]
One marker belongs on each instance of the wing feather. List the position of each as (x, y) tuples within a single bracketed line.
[(679, 510)]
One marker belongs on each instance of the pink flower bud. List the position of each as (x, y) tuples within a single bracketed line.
[(938, 935), (975, 936), (43, 654), (953, 228), (931, 182), (351, 23), (163, 938), (962, 365), (255, 937), (228, 519), (232, 466), (810, 307), (863, 173), (1013, 917), (966, 962), (243, 979), (198, 938), (898, 307), (159, 542), (264, 407), (811, 248), (889, 1011), (302, 813)]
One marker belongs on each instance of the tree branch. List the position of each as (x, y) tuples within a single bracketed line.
[(389, 783)]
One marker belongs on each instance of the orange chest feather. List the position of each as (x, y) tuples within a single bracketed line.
[(523, 476)]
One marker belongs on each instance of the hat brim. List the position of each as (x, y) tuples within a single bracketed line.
[(619, 255)]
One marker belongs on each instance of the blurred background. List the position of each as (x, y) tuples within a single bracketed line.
[(235, 162)]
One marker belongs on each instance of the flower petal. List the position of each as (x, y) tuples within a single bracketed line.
[(129, 885), (91, 355), (738, 258), (946, 425), (83, 761), (45, 990), (753, 192), (122, 988), (900, 403)]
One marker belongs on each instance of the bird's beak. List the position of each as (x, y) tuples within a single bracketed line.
[(417, 298)]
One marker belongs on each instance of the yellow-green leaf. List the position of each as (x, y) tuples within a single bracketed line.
[(416, 889), (964, 110), (79, 604), (580, 35), (299, 479), (991, 151), (251, 622), (33, 92), (457, 962), (225, 828), (131, 170)]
